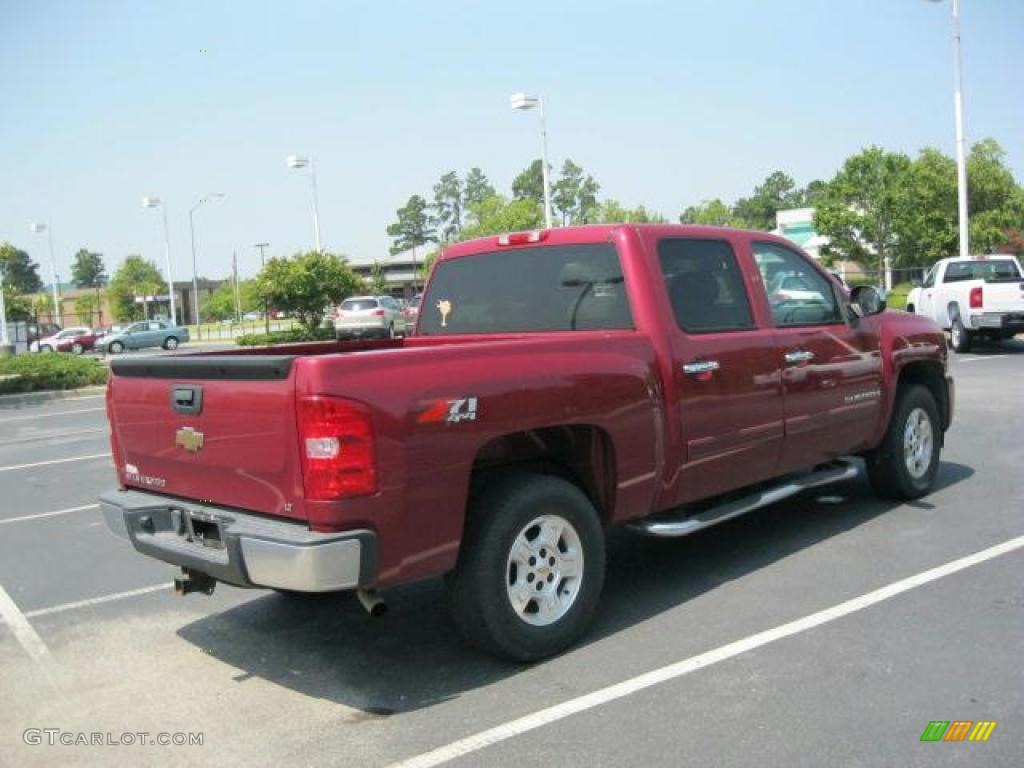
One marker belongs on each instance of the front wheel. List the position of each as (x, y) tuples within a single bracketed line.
[(531, 568), (115, 348), (170, 343), (77, 348), (905, 464), (959, 337)]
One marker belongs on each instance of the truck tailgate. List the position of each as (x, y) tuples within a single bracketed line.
[(1003, 296), (215, 429)]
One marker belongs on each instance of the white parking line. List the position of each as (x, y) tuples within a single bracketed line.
[(55, 461), (24, 518), (18, 622), (54, 413), (980, 357), (96, 600), (55, 436), (571, 707)]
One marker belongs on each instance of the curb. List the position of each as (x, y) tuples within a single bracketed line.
[(27, 398)]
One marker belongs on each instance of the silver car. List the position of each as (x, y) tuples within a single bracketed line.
[(369, 316)]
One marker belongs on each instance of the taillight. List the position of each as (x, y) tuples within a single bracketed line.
[(337, 447), (115, 445), (378, 313), (976, 297)]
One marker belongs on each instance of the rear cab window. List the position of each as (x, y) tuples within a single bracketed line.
[(532, 289), (982, 269)]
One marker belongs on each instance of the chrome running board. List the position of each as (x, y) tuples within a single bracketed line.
[(825, 474)]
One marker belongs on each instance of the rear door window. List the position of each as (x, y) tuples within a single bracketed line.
[(358, 305), (704, 285), (544, 288)]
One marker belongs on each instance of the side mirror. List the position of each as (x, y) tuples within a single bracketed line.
[(867, 300)]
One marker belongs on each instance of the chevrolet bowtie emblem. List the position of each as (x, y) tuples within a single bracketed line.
[(189, 439)]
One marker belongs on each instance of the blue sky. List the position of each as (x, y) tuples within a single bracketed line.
[(666, 103)]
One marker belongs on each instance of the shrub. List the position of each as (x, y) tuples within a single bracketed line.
[(897, 298), (32, 373), (284, 337)]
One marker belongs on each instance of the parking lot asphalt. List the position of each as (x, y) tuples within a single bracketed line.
[(736, 646)]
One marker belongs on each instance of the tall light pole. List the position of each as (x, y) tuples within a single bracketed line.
[(195, 272), (521, 101), (263, 263), (58, 316), (300, 161), (961, 142), (4, 341), (156, 202)]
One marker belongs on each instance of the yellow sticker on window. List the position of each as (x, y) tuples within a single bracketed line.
[(445, 308)]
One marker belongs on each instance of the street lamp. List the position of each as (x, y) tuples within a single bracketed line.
[(521, 101), (57, 314), (961, 146), (156, 202), (5, 343), (300, 161), (263, 263), (195, 274)]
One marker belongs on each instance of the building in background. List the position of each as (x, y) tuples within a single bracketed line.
[(403, 272), (797, 225)]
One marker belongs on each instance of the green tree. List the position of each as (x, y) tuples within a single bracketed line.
[(613, 212), (995, 200), (710, 213), (19, 271), (529, 185), (860, 209), (378, 283), (86, 307), (475, 189), (497, 214), (220, 305), (308, 285), (566, 191), (18, 306), (447, 205), (777, 192), (135, 277), (88, 270), (412, 229)]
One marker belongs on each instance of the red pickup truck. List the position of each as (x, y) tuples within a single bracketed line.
[(560, 382)]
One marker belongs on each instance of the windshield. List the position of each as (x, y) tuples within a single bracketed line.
[(547, 288)]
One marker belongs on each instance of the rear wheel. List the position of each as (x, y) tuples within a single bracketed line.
[(531, 568), (170, 343), (910, 308), (905, 464), (77, 348), (959, 337)]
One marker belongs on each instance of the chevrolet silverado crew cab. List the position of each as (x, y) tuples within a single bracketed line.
[(559, 382), (982, 296)]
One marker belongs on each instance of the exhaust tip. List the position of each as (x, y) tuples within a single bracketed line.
[(371, 601)]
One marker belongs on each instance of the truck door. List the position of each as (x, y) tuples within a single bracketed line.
[(927, 297), (725, 372), (832, 370)]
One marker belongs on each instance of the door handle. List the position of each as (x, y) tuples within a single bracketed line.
[(799, 356), (698, 367)]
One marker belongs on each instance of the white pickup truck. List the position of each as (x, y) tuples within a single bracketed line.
[(981, 296)]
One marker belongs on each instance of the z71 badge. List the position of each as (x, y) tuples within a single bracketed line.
[(450, 411)]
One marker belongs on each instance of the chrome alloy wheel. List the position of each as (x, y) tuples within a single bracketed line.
[(545, 568), (918, 439)]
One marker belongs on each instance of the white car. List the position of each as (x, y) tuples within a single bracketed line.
[(981, 296), (369, 316)]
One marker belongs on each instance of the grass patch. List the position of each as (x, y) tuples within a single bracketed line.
[(38, 372), (897, 297), (285, 337)]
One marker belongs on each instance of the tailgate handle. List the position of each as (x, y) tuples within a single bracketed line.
[(187, 399)]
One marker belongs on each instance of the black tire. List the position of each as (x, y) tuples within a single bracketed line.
[(115, 348), (910, 308), (478, 589), (77, 348), (391, 331), (887, 465), (170, 343), (959, 337)]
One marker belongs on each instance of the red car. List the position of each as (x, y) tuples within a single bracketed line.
[(76, 340), (560, 382)]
